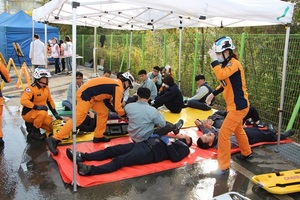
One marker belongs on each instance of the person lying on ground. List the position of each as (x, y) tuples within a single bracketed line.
[(254, 134), (154, 149), (216, 119)]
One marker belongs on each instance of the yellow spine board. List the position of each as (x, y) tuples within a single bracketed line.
[(284, 182)]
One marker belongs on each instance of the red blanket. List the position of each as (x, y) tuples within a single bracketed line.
[(197, 155)]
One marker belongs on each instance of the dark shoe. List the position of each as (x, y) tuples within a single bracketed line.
[(52, 145), (288, 133), (271, 128), (35, 134), (220, 172), (185, 106), (241, 157), (83, 169), (69, 153), (178, 126), (102, 139), (259, 125), (1, 144)]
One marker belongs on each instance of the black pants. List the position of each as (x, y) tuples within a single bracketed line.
[(253, 114), (63, 64), (170, 106), (123, 155), (56, 63), (164, 130), (194, 103), (256, 135)]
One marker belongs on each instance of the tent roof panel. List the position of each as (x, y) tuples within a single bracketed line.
[(157, 14)]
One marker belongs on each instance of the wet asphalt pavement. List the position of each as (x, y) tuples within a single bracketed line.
[(27, 170)]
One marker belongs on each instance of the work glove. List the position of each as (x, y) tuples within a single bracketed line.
[(165, 140), (56, 115), (45, 108), (212, 54), (154, 136), (209, 98), (152, 102)]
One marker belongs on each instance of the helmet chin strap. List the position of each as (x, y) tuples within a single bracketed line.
[(39, 82), (124, 86)]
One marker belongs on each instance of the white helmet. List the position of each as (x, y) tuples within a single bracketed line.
[(127, 76), (40, 73), (222, 44)]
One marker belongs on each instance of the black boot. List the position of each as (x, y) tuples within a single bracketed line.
[(29, 127), (286, 134), (35, 134), (1, 144), (52, 145)]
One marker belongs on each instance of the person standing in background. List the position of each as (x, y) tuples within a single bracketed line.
[(68, 54), (37, 52), (55, 53), (62, 47)]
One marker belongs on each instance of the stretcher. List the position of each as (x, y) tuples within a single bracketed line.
[(114, 128), (284, 182)]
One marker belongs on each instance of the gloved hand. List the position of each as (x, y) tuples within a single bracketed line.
[(212, 54), (55, 114), (154, 136), (152, 102), (165, 140), (209, 98), (58, 117), (45, 108)]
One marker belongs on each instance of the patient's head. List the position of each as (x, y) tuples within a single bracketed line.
[(185, 139), (207, 141)]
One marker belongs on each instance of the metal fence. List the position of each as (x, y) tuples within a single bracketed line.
[(262, 60)]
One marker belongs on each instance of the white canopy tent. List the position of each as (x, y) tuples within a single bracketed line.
[(154, 14), (158, 14)]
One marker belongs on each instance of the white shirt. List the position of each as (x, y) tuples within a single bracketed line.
[(37, 52), (68, 49)]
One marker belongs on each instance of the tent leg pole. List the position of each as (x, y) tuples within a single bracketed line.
[(287, 37)]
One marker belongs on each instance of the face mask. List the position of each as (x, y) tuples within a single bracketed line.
[(220, 58)]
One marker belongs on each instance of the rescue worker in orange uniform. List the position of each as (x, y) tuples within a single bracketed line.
[(36, 99), (6, 78), (230, 73), (95, 94)]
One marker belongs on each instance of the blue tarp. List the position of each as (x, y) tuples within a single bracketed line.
[(18, 28)]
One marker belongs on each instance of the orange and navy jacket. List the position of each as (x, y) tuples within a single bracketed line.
[(35, 95), (233, 84), (6, 78), (103, 89)]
